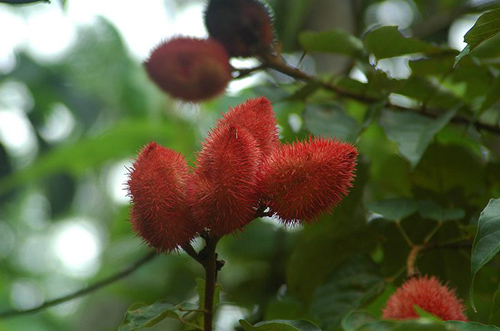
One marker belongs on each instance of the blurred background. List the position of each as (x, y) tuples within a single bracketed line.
[(76, 106)]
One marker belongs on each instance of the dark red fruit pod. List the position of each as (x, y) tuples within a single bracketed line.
[(190, 69), (244, 27), (160, 211), (257, 117), (428, 294), (223, 187), (300, 181)]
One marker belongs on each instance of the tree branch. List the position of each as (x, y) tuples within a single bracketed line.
[(87, 290), (272, 61), (210, 264)]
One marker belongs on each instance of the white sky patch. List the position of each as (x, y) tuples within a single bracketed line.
[(78, 247), (295, 122), (395, 12), (17, 134), (14, 94), (59, 124), (358, 75), (228, 317), (458, 29), (236, 85), (142, 26), (26, 294), (13, 33), (49, 34), (116, 179), (396, 67)]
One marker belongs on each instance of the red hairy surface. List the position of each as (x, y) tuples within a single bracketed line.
[(256, 116), (244, 27), (160, 211), (428, 294), (190, 69), (300, 181), (223, 187)]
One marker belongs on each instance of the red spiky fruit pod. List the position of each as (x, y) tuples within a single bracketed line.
[(244, 27), (160, 210), (257, 117), (300, 181), (223, 189), (190, 69), (428, 294)]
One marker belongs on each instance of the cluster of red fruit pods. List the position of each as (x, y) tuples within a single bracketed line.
[(243, 171), (193, 69)]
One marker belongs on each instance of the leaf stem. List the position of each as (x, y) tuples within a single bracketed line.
[(403, 233)]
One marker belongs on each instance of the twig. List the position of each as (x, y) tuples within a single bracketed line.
[(100, 284), (192, 252), (411, 269), (275, 62)]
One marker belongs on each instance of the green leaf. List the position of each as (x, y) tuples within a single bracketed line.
[(471, 326), (413, 132), (458, 169), (121, 141), (492, 96), (425, 314), (395, 209), (431, 210), (421, 324), (427, 91), (387, 41), (495, 309), (331, 121), (140, 315), (487, 241), (349, 286), (354, 320), (486, 27), (280, 325), (333, 41)]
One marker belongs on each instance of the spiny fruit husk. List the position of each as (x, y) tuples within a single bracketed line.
[(190, 69), (428, 294), (257, 117), (223, 189), (244, 27), (160, 211), (300, 181)]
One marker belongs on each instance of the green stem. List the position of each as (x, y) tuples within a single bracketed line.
[(403, 233), (433, 232)]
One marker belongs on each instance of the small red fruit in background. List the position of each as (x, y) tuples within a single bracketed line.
[(256, 116), (160, 211), (244, 27), (223, 189), (300, 181), (190, 69), (428, 294)]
